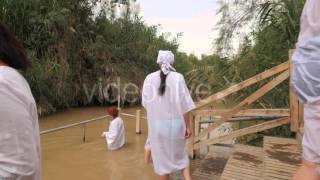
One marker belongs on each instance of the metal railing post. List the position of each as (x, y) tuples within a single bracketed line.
[(138, 122), (84, 132)]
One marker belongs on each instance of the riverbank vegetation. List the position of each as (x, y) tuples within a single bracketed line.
[(264, 30), (253, 36), (78, 46), (274, 30)]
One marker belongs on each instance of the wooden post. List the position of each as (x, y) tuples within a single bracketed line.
[(208, 147), (197, 128), (294, 102), (191, 151), (119, 93), (84, 133), (301, 115), (300, 131), (138, 121)]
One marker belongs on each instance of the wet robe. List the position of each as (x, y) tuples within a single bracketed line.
[(19, 129), (306, 78), (306, 59), (115, 136), (166, 125)]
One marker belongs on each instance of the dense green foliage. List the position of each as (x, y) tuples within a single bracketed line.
[(264, 30), (267, 29), (74, 48), (275, 31)]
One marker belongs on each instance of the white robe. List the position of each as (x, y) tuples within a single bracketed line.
[(115, 137), (306, 76), (166, 126), (19, 129)]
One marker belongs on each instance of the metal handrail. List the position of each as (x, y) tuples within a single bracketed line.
[(83, 123), (130, 115), (73, 125)]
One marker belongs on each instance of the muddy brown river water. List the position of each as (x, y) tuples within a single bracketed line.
[(66, 157)]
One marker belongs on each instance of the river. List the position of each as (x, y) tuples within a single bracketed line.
[(66, 157)]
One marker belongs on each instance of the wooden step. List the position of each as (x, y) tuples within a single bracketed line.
[(246, 163), (194, 164), (282, 157), (206, 168), (211, 167)]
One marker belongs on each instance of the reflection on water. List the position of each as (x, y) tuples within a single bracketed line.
[(66, 157)]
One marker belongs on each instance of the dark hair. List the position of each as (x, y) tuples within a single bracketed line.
[(113, 111), (12, 52), (162, 87)]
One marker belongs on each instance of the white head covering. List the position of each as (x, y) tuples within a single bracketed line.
[(165, 59)]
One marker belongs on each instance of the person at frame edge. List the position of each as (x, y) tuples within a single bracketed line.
[(306, 84), (19, 129)]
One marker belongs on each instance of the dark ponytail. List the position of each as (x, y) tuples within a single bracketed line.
[(162, 87), (12, 52)]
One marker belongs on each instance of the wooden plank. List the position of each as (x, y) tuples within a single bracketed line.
[(301, 115), (197, 124), (211, 167), (249, 100), (138, 122), (294, 102), (280, 168), (244, 131), (282, 157), (245, 113), (299, 135), (255, 79), (245, 163), (191, 139), (197, 127)]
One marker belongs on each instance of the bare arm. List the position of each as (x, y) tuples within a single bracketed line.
[(187, 122)]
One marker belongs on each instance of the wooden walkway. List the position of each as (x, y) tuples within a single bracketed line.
[(246, 163), (208, 168), (282, 157), (277, 160), (211, 167)]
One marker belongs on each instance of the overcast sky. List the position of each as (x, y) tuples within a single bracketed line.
[(194, 18)]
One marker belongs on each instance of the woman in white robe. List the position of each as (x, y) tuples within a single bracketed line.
[(306, 84), (115, 136), (19, 130), (167, 101)]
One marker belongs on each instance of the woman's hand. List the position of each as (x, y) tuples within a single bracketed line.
[(188, 129), (188, 133)]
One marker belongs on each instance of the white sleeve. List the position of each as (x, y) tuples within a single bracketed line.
[(144, 94), (186, 102), (18, 146), (113, 132)]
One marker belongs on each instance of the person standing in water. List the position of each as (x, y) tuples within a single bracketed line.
[(306, 84), (167, 101), (115, 136), (19, 129)]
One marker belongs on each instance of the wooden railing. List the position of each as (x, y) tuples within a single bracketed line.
[(294, 115)]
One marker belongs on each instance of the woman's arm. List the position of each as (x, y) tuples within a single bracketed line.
[(187, 122)]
